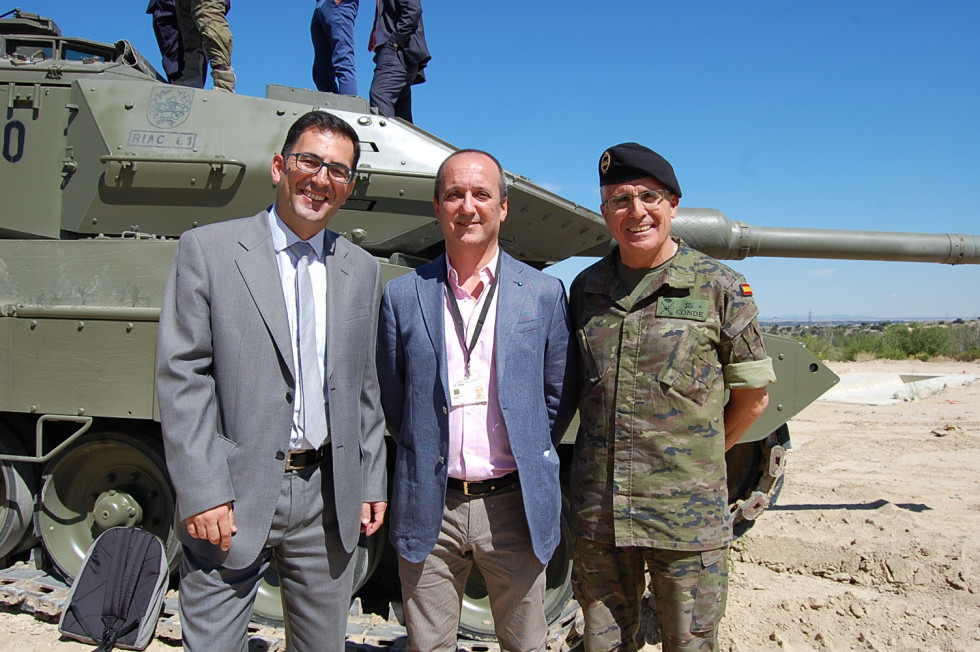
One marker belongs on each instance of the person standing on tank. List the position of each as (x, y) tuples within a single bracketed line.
[(478, 384), (171, 44), (663, 332), (332, 31), (400, 56), (204, 29), (269, 402)]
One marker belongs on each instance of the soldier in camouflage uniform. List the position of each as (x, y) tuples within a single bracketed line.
[(663, 331), (203, 25)]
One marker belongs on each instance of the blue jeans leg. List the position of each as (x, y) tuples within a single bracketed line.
[(332, 32)]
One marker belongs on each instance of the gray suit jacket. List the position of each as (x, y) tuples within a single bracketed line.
[(535, 364), (226, 383)]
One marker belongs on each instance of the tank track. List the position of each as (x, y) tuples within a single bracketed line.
[(35, 592)]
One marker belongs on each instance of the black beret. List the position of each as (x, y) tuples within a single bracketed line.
[(631, 161)]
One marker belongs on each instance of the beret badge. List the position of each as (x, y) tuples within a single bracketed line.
[(605, 161)]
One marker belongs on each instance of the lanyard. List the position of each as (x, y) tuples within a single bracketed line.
[(458, 317)]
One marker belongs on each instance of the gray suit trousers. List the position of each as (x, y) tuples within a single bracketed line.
[(316, 577)]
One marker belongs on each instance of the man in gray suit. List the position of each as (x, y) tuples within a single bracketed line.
[(478, 385), (258, 477)]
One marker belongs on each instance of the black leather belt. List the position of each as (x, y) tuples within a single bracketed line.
[(483, 487), (301, 459)]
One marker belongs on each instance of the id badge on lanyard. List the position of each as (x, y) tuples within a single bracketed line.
[(470, 391)]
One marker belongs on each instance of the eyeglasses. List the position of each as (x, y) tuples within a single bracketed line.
[(312, 164), (649, 198)]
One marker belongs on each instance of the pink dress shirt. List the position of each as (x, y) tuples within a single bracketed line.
[(479, 448)]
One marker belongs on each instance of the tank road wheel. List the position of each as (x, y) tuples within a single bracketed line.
[(268, 601), (755, 477), (17, 506), (367, 556), (476, 619), (103, 481)]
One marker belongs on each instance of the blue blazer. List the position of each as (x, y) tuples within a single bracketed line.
[(536, 383)]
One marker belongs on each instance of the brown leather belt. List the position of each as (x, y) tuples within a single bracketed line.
[(301, 459), (483, 487)]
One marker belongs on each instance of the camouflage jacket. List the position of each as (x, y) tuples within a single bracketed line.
[(649, 462)]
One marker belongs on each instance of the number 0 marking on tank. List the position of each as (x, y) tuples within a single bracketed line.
[(13, 133)]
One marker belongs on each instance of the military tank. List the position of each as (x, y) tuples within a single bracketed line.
[(104, 165)]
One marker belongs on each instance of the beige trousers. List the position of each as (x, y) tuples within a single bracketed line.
[(491, 533)]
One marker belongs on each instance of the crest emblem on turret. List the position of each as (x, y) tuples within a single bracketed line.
[(169, 107)]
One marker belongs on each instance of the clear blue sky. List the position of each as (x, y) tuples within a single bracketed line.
[(847, 114)]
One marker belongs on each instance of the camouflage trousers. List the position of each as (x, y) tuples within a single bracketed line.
[(690, 588), (203, 24)]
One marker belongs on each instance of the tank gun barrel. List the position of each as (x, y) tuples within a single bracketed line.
[(708, 230)]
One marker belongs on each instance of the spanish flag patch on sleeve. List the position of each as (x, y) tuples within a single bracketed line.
[(746, 289)]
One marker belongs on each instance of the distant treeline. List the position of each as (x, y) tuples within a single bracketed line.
[(957, 339)]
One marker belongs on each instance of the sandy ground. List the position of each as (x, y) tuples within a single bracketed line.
[(874, 542), (873, 545)]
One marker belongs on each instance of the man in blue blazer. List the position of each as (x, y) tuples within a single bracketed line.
[(478, 383)]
